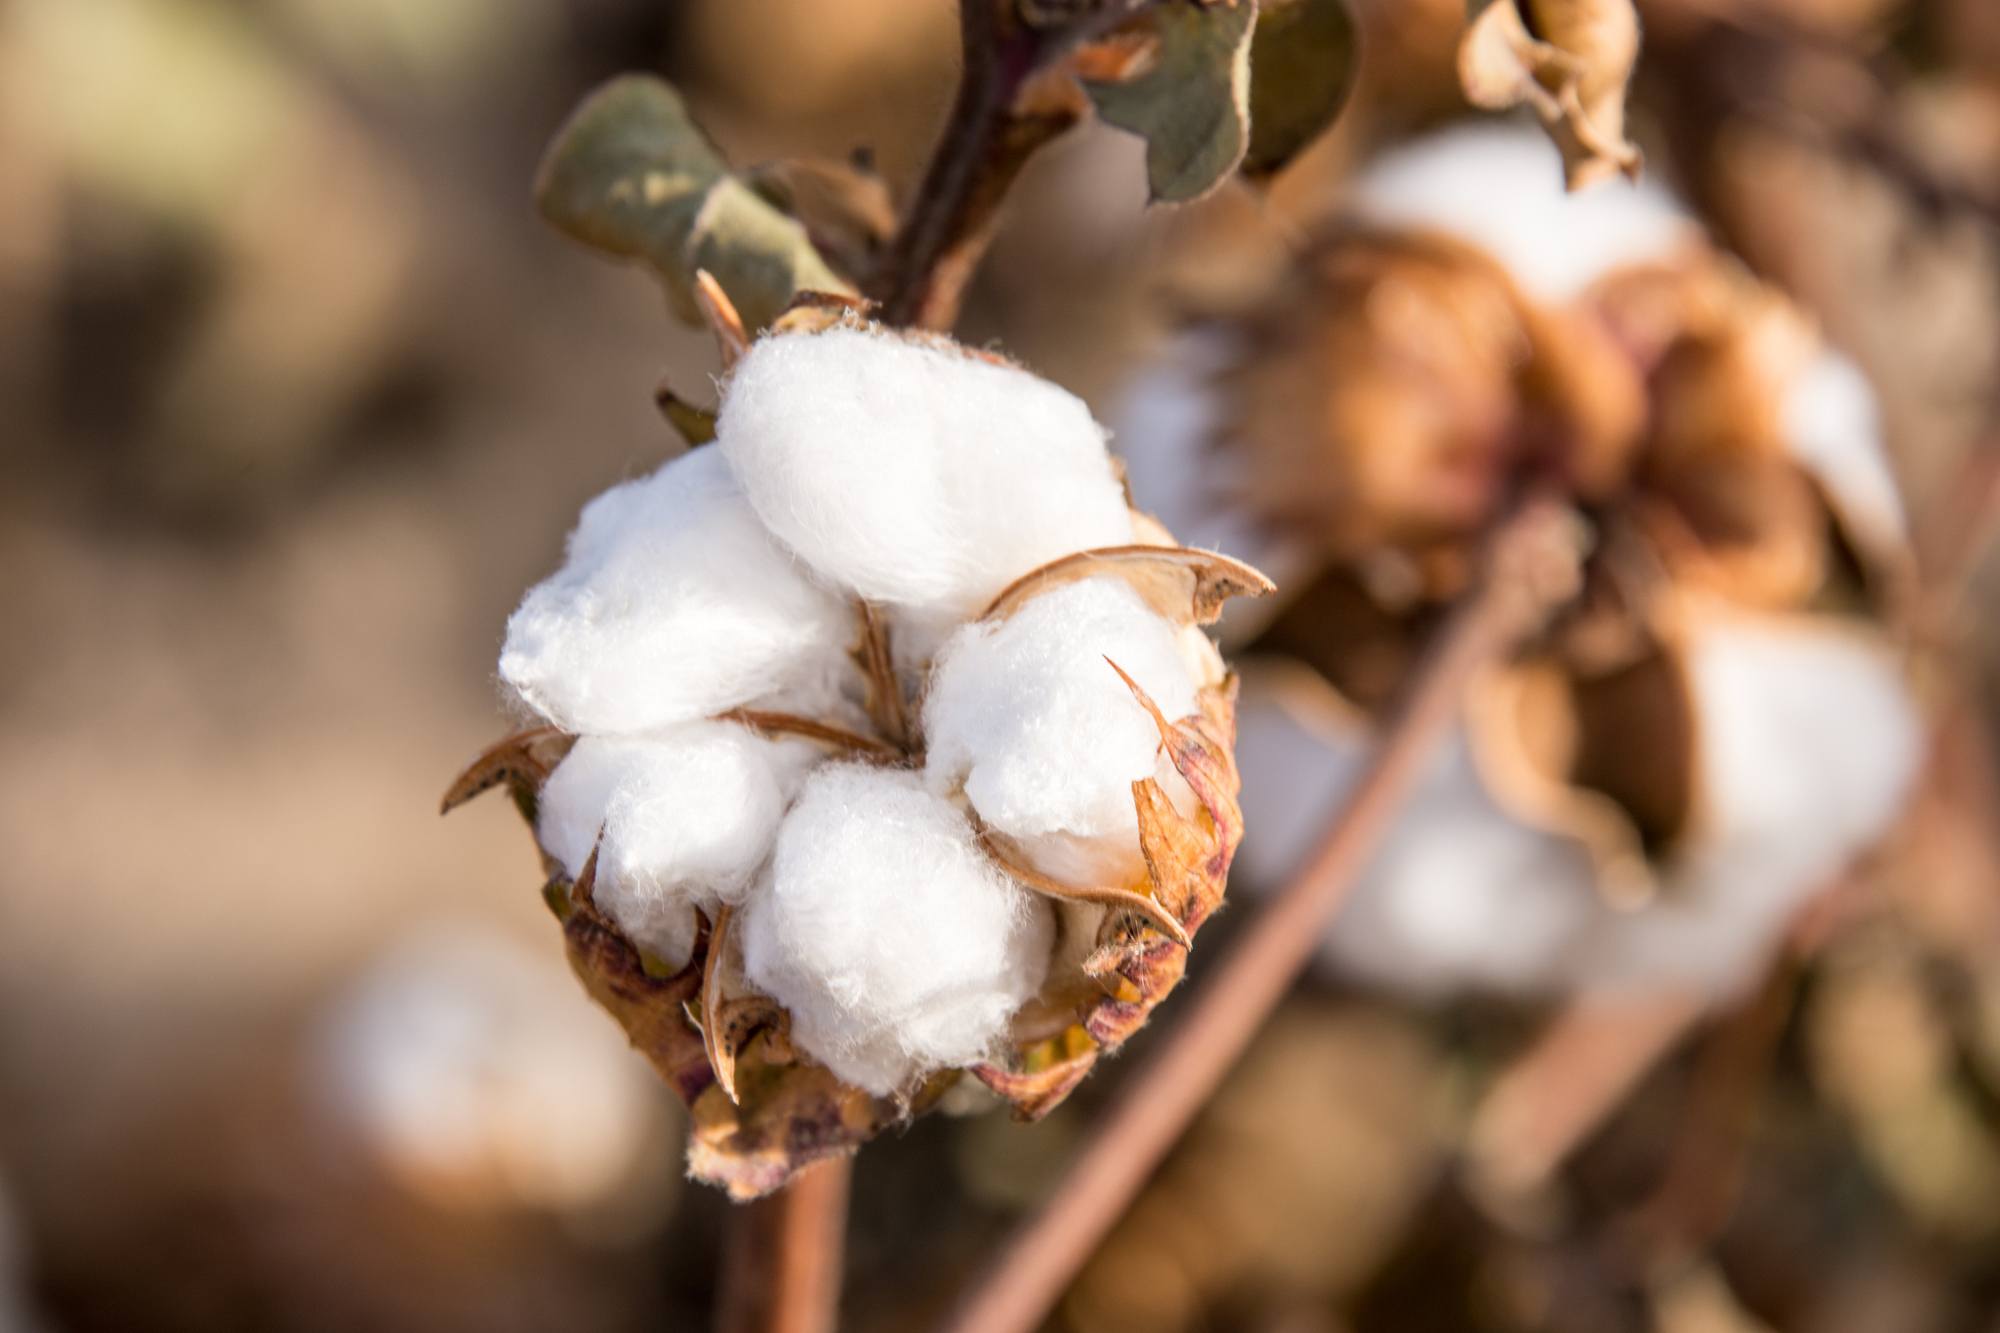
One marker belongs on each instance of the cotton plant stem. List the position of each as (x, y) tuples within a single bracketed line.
[(1558, 1092), (1207, 1039), (782, 1260), (1000, 117)]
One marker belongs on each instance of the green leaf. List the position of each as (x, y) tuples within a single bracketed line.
[(1186, 93), (633, 175), (1302, 63)]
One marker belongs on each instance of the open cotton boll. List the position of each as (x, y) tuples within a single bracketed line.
[(673, 604), (688, 817), (1045, 739), (914, 473), (1499, 186), (891, 938), (1809, 742)]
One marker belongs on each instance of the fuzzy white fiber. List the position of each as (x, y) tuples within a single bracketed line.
[(1834, 426), (1459, 896), (1499, 185), (687, 815), (1029, 719), (1166, 422), (913, 474), (476, 1072), (887, 933), (673, 604), (1809, 741)]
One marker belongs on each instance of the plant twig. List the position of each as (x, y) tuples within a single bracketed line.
[(782, 1259), (993, 129), (1160, 1102)]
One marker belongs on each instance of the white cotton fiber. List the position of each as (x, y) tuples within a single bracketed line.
[(1028, 717), (916, 474), (1182, 474), (1808, 745), (688, 817), (887, 933), (1834, 427), (475, 1071), (1499, 186), (673, 604)]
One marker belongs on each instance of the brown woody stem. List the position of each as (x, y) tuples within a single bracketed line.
[(782, 1262), (991, 133), (1160, 1102)]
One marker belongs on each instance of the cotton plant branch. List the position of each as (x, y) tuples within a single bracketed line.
[(1001, 115), (782, 1260), (1531, 563)]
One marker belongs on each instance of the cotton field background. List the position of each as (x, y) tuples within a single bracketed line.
[(1667, 998)]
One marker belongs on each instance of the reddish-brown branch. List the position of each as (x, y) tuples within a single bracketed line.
[(998, 120), (1160, 1102), (782, 1263)]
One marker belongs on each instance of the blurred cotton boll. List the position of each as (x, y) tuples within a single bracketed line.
[(475, 1074), (1709, 730)]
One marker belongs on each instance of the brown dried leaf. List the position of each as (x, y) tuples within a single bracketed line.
[(1185, 585), (719, 313), (790, 724), (1573, 74), (789, 1117), (1042, 1075), (652, 1009), (1118, 899), (878, 668), (1188, 860), (729, 1020), (1524, 726), (523, 761), (695, 425)]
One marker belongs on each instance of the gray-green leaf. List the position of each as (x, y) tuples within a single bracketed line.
[(1301, 68), (1189, 96), (633, 175)]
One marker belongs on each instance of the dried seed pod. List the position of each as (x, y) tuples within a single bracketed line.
[(1569, 60), (808, 921), (1629, 799)]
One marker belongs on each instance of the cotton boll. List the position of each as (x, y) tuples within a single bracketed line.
[(1499, 186), (1809, 741), (914, 473), (476, 1073), (673, 604), (890, 937), (688, 817), (1028, 717)]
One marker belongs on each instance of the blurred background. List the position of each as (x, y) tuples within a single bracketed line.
[(298, 395)]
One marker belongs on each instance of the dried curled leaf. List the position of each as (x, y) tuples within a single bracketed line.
[(1183, 584), (1134, 961), (523, 761), (1181, 81), (1570, 60), (695, 425), (632, 174), (729, 1019), (1302, 62)]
